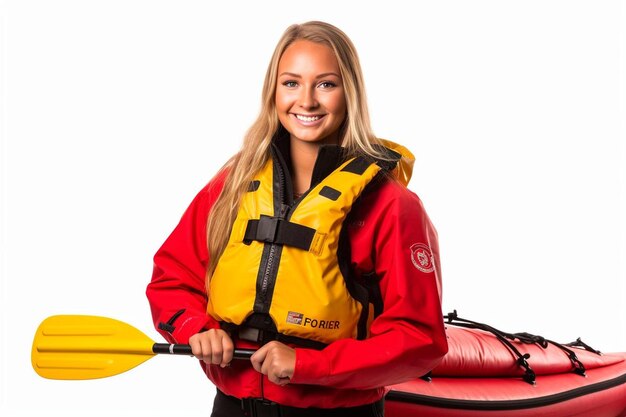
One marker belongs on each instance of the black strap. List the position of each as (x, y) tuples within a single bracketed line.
[(372, 283), (280, 231), (268, 335), (307, 343)]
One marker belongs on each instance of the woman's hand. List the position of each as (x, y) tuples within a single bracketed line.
[(213, 346), (275, 360)]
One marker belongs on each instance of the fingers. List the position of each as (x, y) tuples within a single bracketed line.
[(258, 358), (213, 346), (275, 360), (228, 349)]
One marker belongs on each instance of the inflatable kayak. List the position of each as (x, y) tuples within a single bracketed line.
[(490, 372)]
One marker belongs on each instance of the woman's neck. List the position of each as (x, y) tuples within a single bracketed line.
[(303, 157)]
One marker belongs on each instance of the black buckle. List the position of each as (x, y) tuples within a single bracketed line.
[(267, 228), (260, 336), (259, 407)]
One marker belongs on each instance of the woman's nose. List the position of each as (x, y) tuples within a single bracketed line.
[(307, 99)]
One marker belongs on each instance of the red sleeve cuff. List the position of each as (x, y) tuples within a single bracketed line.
[(312, 367)]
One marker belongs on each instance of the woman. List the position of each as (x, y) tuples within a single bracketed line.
[(308, 247)]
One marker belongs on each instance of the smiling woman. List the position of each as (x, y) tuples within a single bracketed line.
[(117, 113), (302, 248), (309, 97), (310, 103)]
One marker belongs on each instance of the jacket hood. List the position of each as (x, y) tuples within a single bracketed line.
[(404, 170)]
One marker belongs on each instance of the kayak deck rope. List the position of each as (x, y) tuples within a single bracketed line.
[(579, 343), (522, 358)]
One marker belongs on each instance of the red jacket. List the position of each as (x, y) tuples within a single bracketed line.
[(389, 232)]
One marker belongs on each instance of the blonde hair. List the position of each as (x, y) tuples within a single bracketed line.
[(356, 133)]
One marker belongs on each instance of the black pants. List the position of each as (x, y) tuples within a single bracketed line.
[(227, 406)]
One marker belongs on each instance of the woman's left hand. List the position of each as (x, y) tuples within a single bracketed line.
[(276, 360)]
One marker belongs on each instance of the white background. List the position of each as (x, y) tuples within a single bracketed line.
[(115, 113)]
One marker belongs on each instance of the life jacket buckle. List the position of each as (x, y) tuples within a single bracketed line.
[(259, 336), (250, 334), (267, 228)]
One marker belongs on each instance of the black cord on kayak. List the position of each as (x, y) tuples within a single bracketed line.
[(579, 343), (522, 359), (577, 366)]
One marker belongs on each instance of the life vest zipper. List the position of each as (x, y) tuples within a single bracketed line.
[(268, 272), (269, 265)]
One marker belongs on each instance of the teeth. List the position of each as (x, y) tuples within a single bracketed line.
[(307, 118)]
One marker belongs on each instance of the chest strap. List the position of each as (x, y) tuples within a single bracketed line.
[(278, 230)]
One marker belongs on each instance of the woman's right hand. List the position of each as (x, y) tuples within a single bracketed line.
[(213, 346)]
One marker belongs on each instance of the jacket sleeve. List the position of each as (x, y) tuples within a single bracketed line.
[(176, 293), (407, 339)]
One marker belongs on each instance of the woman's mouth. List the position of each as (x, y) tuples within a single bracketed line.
[(308, 120)]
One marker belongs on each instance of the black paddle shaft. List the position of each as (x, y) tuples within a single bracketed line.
[(186, 350)]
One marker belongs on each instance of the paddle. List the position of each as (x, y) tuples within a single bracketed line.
[(90, 347)]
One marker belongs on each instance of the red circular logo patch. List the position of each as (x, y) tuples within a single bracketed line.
[(422, 257)]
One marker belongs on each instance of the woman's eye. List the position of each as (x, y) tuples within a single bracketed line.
[(290, 84), (327, 84)]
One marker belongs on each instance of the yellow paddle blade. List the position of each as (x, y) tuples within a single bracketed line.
[(87, 347)]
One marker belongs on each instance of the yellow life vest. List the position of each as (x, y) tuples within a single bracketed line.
[(281, 260)]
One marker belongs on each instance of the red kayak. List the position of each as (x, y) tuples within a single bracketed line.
[(493, 373)]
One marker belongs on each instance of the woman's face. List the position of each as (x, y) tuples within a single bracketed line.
[(310, 99)]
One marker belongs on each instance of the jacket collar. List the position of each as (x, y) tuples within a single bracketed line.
[(329, 157)]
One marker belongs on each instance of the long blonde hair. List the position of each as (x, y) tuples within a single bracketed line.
[(356, 132)]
